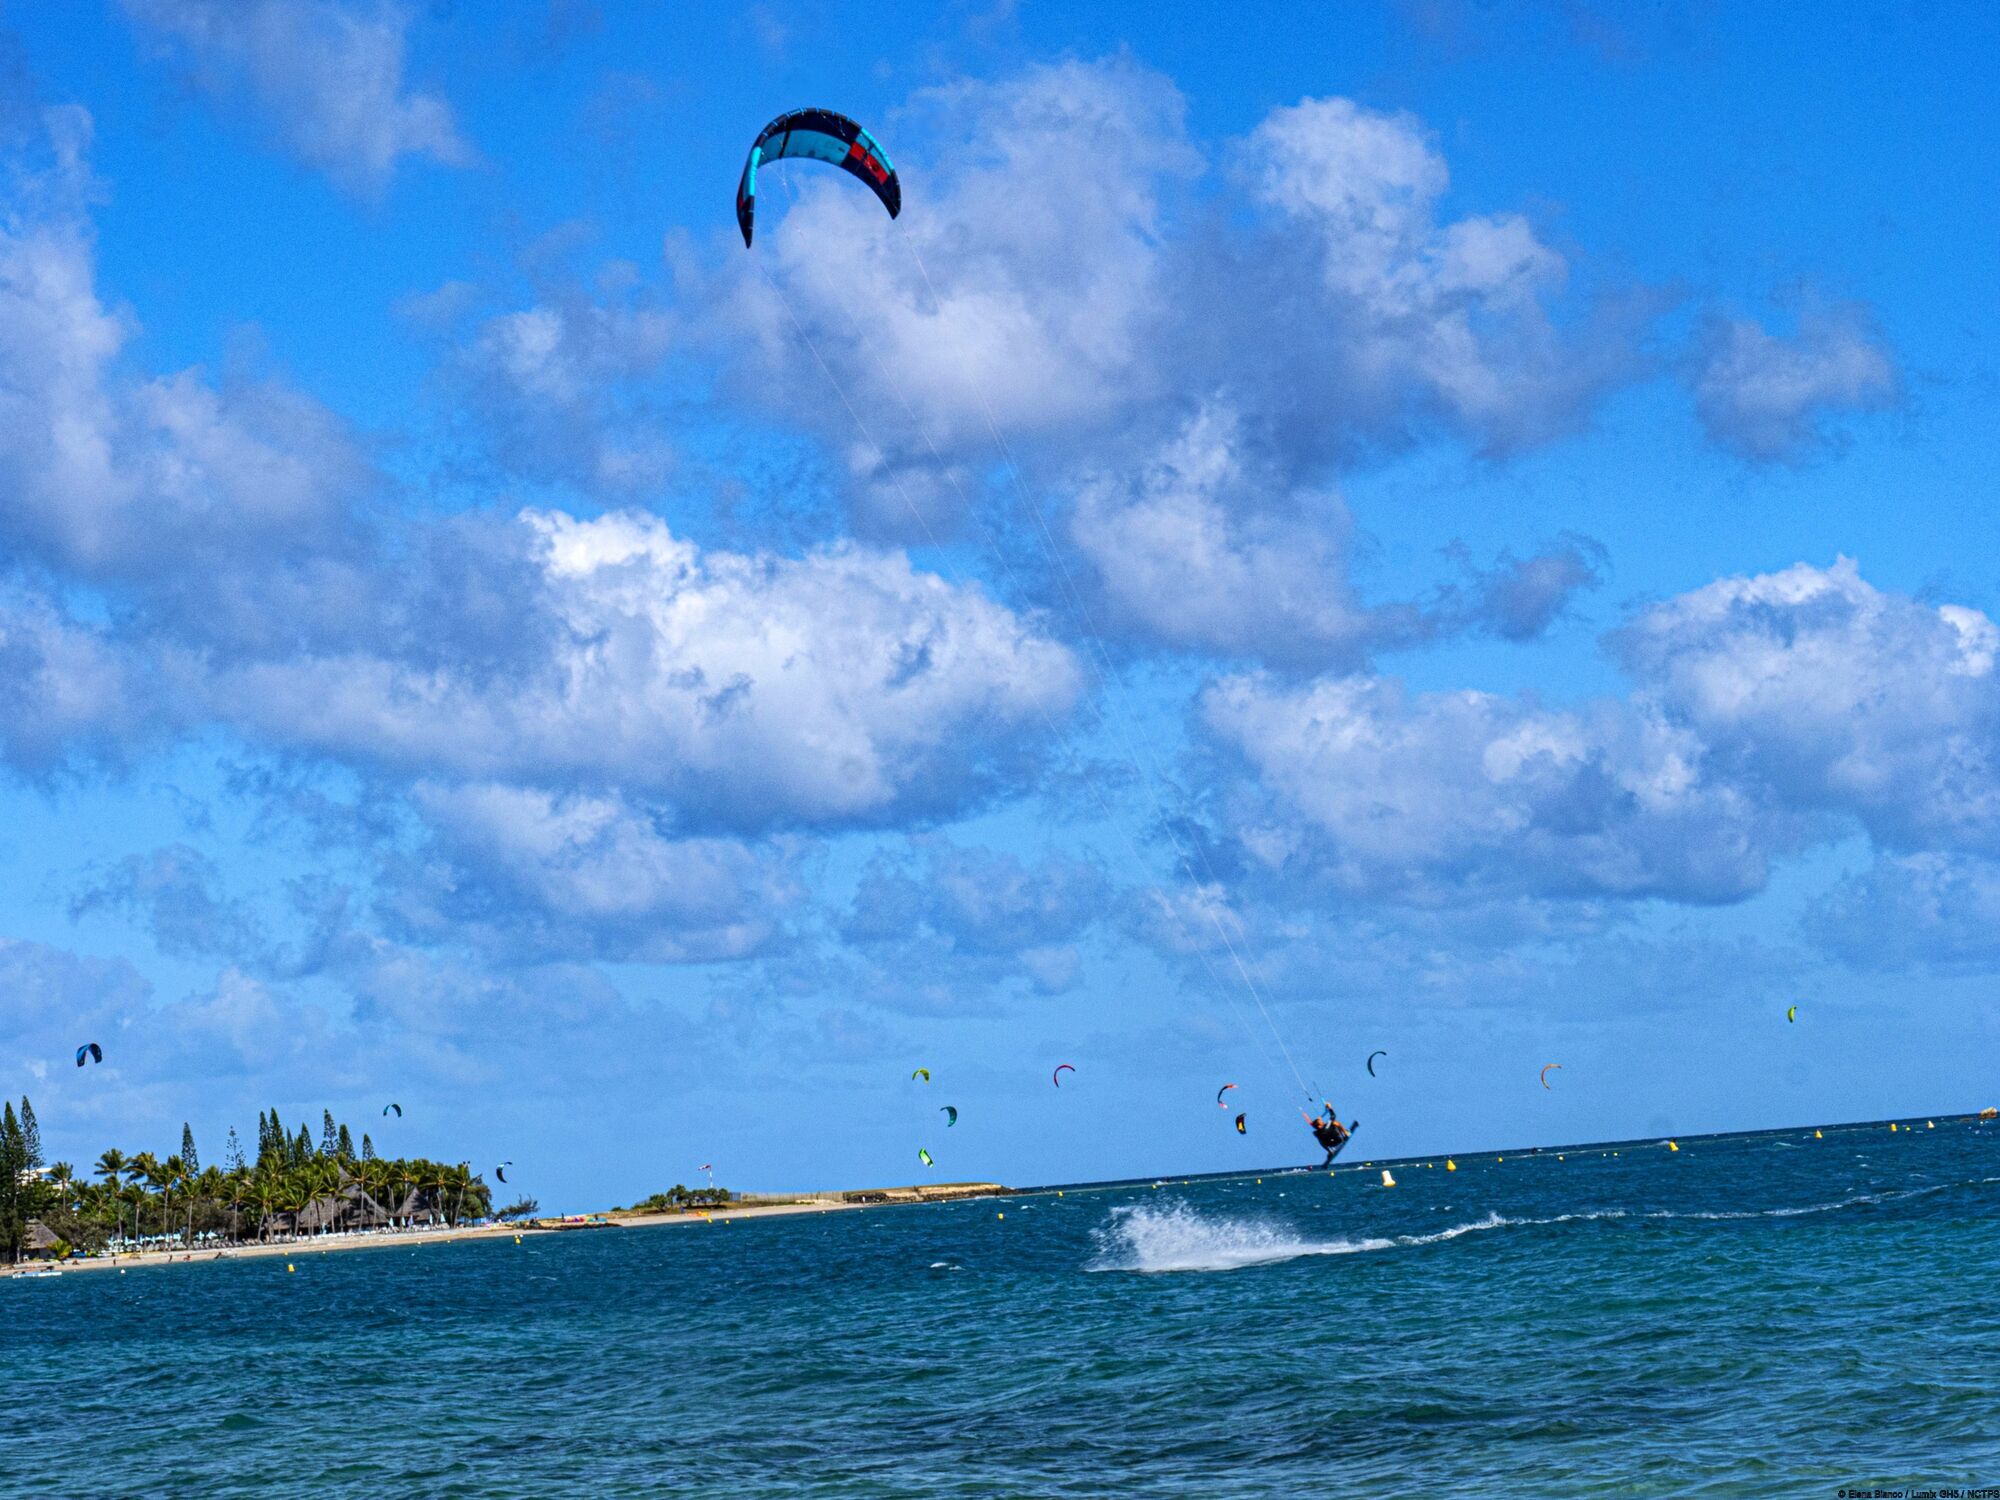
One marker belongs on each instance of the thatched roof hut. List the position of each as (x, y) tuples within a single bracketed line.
[(350, 1208), (40, 1242)]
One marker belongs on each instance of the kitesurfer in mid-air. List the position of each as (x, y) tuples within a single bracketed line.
[(1328, 1131)]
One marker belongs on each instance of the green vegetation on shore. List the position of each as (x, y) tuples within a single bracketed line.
[(293, 1186), (678, 1199)]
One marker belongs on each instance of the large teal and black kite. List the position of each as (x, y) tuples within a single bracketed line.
[(824, 136)]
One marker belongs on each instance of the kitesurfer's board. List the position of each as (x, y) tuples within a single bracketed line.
[(1327, 1165)]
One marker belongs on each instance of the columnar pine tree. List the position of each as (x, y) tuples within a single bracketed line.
[(188, 1158), (13, 1166), (273, 1148), (302, 1148), (20, 1155), (31, 1133), (232, 1154), (345, 1149), (367, 1147), (329, 1140)]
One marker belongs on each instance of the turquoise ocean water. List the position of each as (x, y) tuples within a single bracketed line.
[(1752, 1315)]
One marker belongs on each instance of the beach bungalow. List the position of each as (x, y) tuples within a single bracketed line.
[(41, 1242), (350, 1208)]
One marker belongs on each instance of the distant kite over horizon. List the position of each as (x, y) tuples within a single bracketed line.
[(951, 1114), (396, 1107), (821, 135), (1061, 1068), (1792, 1014), (1551, 1068), (1239, 1126), (1220, 1092), (1380, 1052), (923, 1073), (501, 1170), (89, 1051), (925, 1157)]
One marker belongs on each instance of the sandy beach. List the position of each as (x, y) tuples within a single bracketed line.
[(395, 1239), (314, 1245)]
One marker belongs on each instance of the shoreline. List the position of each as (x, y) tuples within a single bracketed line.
[(392, 1239), (381, 1240), (863, 1199)]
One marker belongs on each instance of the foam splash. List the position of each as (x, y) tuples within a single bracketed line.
[(1491, 1221), (1174, 1237), (1177, 1237)]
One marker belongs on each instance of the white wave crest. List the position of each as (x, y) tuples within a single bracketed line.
[(1174, 1237), (1491, 1221), (1821, 1208)]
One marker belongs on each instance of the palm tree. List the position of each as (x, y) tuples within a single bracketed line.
[(406, 1181), (208, 1186), (135, 1195), (437, 1182), (294, 1193), (144, 1170), (100, 1200), (173, 1172), (377, 1178), (263, 1195), (111, 1167), (325, 1175), (238, 1187)]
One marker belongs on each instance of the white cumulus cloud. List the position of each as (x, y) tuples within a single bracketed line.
[(748, 690), (326, 74), (1767, 397)]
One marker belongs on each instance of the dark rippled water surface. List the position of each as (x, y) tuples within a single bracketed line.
[(1760, 1315)]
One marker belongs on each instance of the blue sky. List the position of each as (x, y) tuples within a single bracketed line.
[(1466, 530)]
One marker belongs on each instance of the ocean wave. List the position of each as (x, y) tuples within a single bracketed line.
[(1491, 1221), (1178, 1237), (1854, 1200), (1175, 1237)]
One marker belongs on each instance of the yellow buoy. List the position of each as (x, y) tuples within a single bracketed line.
[(1892, 1125), (1450, 1165), (1059, 1190), (1817, 1136), (1387, 1180), (999, 1216), (1672, 1147), (1558, 1158), (289, 1268), (1930, 1124)]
